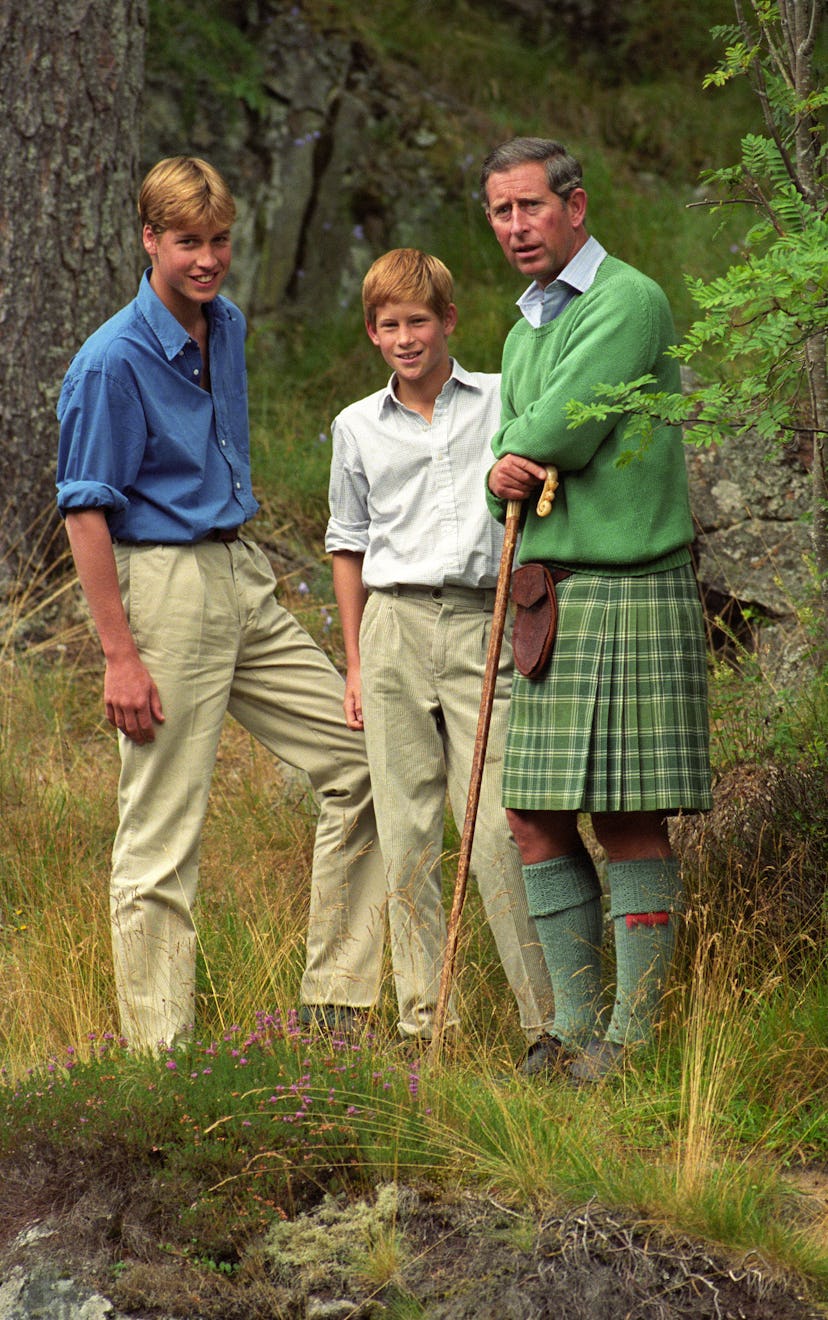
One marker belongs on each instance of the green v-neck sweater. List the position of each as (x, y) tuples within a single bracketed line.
[(632, 517)]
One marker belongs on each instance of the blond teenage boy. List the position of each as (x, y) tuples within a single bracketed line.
[(154, 484), (415, 562)]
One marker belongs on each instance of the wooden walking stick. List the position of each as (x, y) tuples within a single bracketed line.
[(479, 755)]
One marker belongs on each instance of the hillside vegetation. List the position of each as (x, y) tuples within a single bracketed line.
[(697, 1184)]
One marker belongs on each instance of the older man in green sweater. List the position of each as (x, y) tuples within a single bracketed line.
[(616, 726)]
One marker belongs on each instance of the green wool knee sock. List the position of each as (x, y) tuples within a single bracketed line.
[(564, 897), (644, 899)]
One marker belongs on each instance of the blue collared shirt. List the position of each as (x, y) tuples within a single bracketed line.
[(165, 459), (540, 306)]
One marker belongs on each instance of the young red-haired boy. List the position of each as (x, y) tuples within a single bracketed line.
[(415, 562)]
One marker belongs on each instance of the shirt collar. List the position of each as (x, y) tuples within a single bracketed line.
[(170, 333), (576, 277), (388, 396)]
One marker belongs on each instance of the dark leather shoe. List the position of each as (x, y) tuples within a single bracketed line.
[(420, 1047), (339, 1021), (597, 1061), (546, 1057)]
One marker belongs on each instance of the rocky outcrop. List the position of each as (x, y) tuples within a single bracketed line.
[(329, 162), (37, 1287), (751, 507)]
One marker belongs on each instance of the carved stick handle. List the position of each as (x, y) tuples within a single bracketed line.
[(547, 495)]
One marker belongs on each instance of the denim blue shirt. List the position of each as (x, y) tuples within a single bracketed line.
[(165, 459)]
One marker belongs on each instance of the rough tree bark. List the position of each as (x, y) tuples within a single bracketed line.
[(71, 79)]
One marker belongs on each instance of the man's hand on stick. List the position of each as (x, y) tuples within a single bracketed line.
[(514, 477)]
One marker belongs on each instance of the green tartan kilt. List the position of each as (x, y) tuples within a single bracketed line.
[(619, 722)]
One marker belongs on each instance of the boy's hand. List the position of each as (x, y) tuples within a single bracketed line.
[(514, 477), (352, 705), (132, 702), (130, 695)]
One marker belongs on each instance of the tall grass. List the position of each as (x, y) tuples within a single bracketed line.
[(710, 1130), (704, 1134)]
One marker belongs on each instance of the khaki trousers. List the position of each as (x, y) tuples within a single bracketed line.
[(213, 636), (423, 657)]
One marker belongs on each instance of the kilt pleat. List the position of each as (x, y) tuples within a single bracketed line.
[(619, 722)]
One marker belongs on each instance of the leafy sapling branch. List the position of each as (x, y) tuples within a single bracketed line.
[(764, 324)]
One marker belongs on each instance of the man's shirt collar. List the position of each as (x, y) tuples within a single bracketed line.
[(168, 330), (539, 306)]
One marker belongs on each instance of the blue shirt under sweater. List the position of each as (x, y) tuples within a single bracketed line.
[(167, 460)]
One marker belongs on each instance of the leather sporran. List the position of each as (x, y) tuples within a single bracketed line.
[(536, 617)]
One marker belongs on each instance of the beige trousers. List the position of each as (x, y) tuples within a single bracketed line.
[(423, 657), (213, 636)]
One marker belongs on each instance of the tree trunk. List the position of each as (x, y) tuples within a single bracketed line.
[(71, 78)]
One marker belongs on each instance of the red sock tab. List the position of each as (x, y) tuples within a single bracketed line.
[(647, 919)]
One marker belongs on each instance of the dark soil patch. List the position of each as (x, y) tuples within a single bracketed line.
[(466, 1259), (588, 1264)]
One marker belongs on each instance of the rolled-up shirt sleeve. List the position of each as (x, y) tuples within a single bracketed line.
[(349, 522), (102, 442)]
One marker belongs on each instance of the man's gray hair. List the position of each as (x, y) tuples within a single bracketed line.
[(563, 171)]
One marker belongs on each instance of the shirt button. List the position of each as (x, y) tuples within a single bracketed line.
[(195, 373)]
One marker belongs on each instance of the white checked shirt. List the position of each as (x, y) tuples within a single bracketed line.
[(409, 494)]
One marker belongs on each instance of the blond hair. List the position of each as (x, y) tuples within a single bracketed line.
[(181, 191), (407, 275)]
